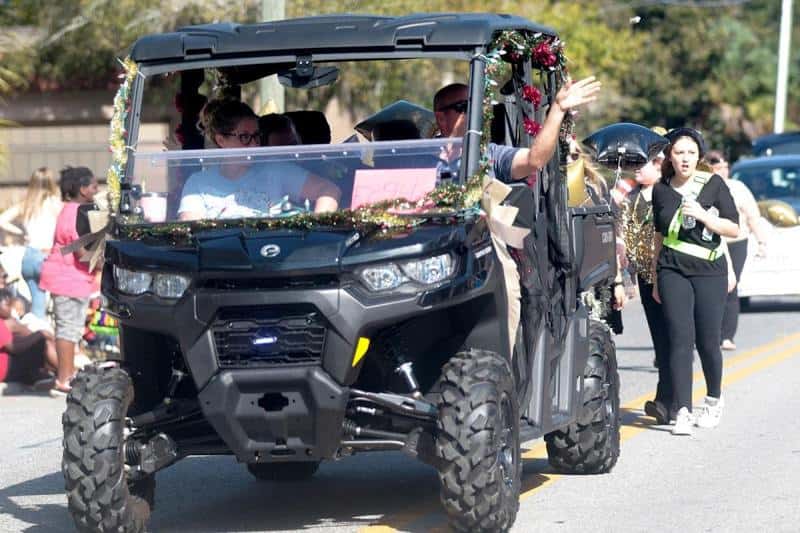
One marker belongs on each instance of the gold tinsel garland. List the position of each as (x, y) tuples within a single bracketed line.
[(638, 233), (446, 203)]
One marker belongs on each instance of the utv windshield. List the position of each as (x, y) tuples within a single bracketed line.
[(283, 181), (210, 144)]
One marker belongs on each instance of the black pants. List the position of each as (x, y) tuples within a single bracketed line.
[(654, 314), (730, 320), (693, 307), (25, 365)]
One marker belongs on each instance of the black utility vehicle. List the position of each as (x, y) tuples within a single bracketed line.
[(288, 338)]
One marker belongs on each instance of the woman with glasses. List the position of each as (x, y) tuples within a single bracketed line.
[(239, 188)]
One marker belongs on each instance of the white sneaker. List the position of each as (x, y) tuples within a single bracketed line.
[(710, 412), (683, 422)]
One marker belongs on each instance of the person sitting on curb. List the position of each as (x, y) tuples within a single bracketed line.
[(25, 357)]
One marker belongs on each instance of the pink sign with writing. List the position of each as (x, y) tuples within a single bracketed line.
[(154, 207), (376, 185)]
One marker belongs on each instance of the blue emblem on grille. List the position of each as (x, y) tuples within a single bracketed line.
[(264, 338)]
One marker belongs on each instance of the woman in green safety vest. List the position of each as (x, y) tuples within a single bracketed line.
[(692, 210)]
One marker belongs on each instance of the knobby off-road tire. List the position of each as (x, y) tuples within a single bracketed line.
[(99, 495), (477, 442), (590, 445), (295, 471)]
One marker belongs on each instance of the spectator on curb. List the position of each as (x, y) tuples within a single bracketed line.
[(67, 277), (25, 357), (37, 214)]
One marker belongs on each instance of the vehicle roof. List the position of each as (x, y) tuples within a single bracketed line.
[(771, 161), (774, 139), (331, 33)]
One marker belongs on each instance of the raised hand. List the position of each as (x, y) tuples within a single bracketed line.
[(578, 93)]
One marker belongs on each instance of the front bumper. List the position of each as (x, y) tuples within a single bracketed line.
[(276, 414)]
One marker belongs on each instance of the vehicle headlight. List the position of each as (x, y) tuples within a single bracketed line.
[(383, 277), (170, 285), (164, 285), (426, 271), (131, 281), (430, 270)]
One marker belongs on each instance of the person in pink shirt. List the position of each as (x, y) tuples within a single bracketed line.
[(65, 276)]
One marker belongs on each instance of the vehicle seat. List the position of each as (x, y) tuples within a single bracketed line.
[(395, 130), (311, 125)]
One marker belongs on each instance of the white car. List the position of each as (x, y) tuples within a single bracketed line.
[(777, 274)]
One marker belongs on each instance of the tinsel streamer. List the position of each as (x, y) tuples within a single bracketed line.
[(118, 138), (638, 233)]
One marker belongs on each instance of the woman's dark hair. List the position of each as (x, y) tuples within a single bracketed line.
[(223, 115), (72, 179), (667, 172), (395, 130), (275, 123)]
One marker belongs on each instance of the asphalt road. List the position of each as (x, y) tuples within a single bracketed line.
[(741, 476)]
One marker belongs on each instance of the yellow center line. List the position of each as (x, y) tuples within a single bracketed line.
[(728, 362), (539, 480), (632, 428), (537, 451)]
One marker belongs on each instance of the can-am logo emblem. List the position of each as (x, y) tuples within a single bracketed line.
[(270, 250)]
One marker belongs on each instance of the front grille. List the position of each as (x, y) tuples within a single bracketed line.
[(277, 283), (249, 337)]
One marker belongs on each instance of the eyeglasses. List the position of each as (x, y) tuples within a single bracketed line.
[(458, 107), (245, 138)]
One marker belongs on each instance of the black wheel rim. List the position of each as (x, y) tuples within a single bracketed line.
[(506, 453)]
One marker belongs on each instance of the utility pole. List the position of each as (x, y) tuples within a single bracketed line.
[(271, 92), (783, 65)]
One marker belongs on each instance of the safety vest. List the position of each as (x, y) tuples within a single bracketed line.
[(688, 248)]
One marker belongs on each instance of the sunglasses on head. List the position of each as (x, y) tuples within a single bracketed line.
[(245, 138), (458, 107)]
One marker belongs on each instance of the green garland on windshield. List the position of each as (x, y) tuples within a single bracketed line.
[(118, 138), (446, 203)]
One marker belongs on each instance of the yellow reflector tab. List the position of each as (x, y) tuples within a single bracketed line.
[(361, 350)]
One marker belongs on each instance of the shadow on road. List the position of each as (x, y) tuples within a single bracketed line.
[(219, 495), (535, 472), (648, 369), (636, 418), (39, 502), (211, 494)]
